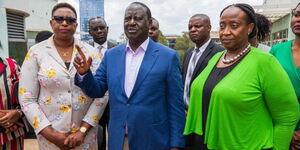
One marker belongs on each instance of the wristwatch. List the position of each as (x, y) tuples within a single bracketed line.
[(83, 129)]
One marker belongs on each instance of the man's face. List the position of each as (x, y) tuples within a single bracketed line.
[(198, 30), (136, 23), (154, 31), (98, 30)]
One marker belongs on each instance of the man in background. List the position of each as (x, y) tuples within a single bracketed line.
[(154, 30), (196, 59), (42, 35), (98, 29)]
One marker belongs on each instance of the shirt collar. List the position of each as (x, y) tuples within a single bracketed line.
[(104, 45), (204, 46), (143, 46)]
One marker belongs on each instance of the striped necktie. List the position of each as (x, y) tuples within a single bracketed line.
[(190, 71), (100, 49)]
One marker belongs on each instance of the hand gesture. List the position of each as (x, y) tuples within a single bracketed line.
[(81, 64), (10, 118), (74, 139)]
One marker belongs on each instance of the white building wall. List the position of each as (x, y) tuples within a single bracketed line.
[(40, 15)]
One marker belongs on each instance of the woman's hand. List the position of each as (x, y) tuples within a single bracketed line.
[(56, 138), (75, 139), (81, 64), (17, 125), (296, 141), (10, 118)]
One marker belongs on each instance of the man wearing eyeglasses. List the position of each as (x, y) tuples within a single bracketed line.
[(98, 29)]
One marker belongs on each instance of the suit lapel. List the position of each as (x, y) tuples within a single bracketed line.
[(52, 52), (206, 52), (148, 62), (186, 62), (122, 63)]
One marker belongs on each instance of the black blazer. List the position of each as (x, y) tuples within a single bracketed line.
[(208, 53)]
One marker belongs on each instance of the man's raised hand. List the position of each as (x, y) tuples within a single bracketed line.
[(81, 64)]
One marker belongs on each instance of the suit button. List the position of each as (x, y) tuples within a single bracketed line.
[(69, 91), (68, 77), (128, 105)]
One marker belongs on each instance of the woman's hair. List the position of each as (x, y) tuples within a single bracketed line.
[(263, 27), (250, 15), (63, 5)]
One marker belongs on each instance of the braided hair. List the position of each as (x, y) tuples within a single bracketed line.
[(250, 15)]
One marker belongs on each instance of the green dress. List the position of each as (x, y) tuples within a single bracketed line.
[(283, 53), (249, 108)]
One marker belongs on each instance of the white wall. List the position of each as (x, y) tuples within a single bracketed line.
[(40, 15)]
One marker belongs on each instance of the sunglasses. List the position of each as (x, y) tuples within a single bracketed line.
[(60, 19)]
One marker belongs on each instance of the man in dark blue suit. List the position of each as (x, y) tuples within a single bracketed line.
[(145, 88)]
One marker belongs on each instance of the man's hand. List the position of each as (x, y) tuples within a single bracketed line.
[(10, 118), (296, 141), (74, 139), (81, 64)]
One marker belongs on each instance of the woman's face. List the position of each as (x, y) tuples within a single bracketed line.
[(234, 28), (295, 22), (63, 23)]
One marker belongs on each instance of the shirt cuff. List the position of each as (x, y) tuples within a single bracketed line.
[(80, 77)]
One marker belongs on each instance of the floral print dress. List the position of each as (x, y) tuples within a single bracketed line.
[(48, 95)]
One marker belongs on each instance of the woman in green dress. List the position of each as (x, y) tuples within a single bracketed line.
[(288, 54), (238, 102)]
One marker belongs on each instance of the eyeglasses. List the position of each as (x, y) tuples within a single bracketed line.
[(60, 19), (98, 28)]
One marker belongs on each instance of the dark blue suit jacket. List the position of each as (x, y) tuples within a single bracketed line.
[(154, 113)]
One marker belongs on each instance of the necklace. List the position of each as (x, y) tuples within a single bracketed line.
[(65, 53), (230, 60)]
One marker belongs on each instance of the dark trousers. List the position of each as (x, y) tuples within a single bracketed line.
[(195, 142), (103, 122)]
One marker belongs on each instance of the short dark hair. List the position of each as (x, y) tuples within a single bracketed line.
[(97, 17), (43, 35), (204, 17), (152, 18), (263, 27), (250, 15), (145, 6), (63, 5)]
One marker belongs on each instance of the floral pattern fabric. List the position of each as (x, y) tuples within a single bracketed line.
[(48, 95)]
